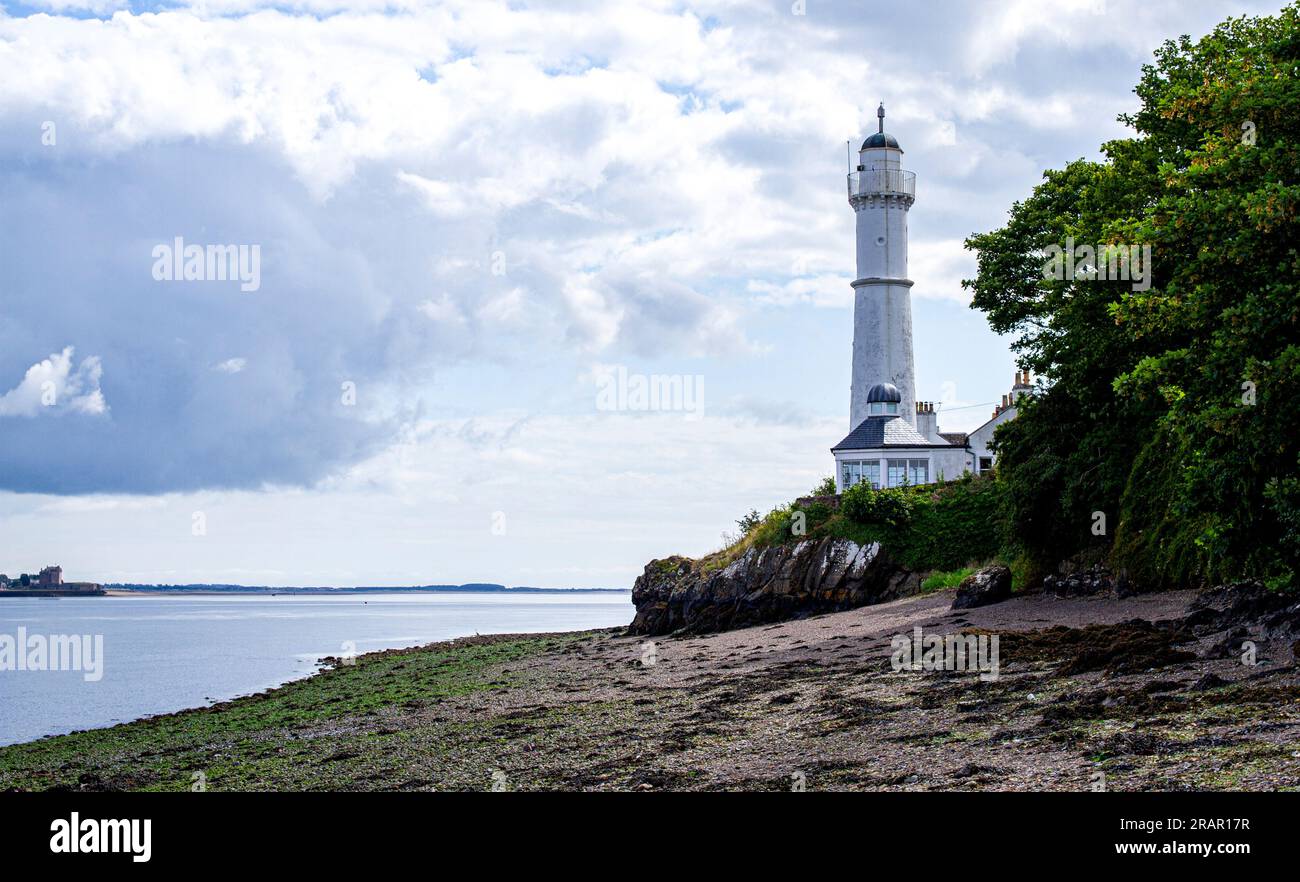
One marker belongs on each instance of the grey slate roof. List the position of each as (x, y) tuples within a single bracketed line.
[(884, 431), (956, 439)]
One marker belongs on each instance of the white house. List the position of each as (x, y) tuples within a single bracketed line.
[(977, 442), (887, 450), (894, 439)]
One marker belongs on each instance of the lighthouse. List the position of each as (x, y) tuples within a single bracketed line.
[(881, 193), (894, 440)]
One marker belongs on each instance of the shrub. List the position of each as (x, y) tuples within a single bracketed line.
[(886, 508), (825, 488), (749, 522)]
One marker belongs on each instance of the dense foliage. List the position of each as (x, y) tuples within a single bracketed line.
[(888, 508), (1173, 409), (932, 527)]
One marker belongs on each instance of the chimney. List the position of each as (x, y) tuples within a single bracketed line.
[(926, 421)]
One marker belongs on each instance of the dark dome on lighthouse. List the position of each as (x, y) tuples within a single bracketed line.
[(881, 138), (886, 392)]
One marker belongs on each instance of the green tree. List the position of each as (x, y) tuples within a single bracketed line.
[(1173, 408)]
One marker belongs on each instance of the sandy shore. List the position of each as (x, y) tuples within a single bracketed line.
[(1104, 701)]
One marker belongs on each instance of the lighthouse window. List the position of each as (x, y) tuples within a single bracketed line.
[(880, 240), (879, 407)]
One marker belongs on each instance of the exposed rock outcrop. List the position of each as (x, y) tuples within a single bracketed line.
[(766, 585), (989, 585), (1247, 608)]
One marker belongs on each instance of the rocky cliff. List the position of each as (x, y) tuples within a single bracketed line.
[(765, 585)]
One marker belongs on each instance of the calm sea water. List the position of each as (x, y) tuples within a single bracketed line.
[(166, 652)]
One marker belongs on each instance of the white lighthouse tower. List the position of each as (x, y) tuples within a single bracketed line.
[(881, 193), (894, 440)]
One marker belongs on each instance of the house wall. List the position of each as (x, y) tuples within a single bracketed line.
[(979, 439), (948, 462)]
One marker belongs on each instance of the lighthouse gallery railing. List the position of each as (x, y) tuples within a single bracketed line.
[(882, 180)]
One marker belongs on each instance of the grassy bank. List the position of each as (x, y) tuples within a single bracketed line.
[(947, 526), (333, 730)]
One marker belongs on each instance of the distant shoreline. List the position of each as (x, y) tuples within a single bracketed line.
[(124, 590)]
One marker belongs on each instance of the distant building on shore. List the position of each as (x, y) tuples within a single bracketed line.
[(48, 582)]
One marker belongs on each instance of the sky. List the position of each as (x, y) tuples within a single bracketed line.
[(465, 228)]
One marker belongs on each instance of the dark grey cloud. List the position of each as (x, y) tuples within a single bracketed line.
[(207, 386)]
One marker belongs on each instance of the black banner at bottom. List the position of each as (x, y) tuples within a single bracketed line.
[(306, 832)]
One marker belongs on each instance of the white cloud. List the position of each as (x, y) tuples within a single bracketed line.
[(821, 290), (231, 365), (938, 267), (55, 386), (1001, 30)]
